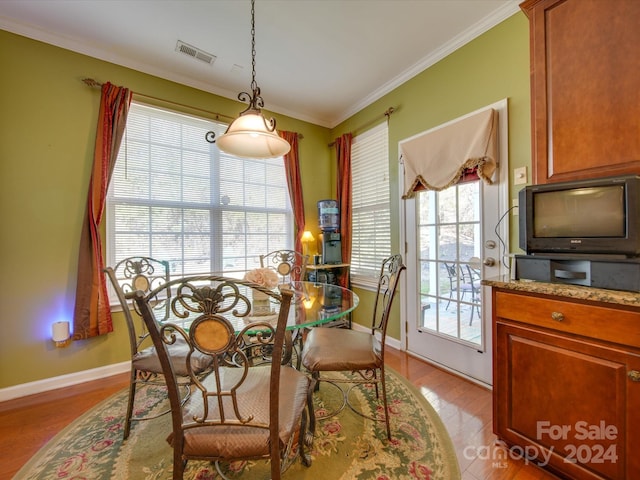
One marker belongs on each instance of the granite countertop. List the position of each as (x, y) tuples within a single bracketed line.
[(563, 290)]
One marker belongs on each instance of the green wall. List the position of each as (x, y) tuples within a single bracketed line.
[(47, 128), (492, 67)]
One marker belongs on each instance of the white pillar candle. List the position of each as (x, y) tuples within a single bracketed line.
[(60, 331)]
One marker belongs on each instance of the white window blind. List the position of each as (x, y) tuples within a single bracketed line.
[(173, 196), (371, 228)]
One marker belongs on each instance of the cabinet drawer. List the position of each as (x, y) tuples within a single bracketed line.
[(603, 323)]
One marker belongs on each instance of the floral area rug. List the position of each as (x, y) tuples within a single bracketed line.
[(346, 446)]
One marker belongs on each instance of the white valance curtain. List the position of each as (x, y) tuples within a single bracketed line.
[(437, 159)]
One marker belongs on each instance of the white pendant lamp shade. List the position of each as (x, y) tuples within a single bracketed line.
[(249, 136)]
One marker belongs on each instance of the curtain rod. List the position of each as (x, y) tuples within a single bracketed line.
[(387, 113), (95, 84)]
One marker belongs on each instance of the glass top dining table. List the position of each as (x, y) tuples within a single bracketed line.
[(312, 304), (316, 304)]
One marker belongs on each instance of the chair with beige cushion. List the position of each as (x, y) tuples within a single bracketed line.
[(329, 350), (250, 406), (290, 265), (145, 274)]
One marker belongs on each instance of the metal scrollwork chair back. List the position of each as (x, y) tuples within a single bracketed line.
[(251, 405), (470, 282), (452, 275), (290, 265), (146, 274), (340, 350)]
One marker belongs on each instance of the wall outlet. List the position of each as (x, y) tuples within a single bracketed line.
[(520, 176)]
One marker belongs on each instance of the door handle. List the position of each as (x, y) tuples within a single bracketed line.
[(489, 261)]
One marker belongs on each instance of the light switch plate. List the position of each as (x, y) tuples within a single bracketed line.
[(520, 176)]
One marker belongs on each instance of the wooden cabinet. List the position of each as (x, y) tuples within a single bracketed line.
[(567, 383), (585, 88)]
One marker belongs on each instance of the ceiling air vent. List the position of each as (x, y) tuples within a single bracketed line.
[(195, 52)]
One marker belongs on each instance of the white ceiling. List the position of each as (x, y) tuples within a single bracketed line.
[(316, 60)]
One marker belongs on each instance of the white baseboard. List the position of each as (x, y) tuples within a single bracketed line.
[(62, 381), (392, 342), (451, 370)]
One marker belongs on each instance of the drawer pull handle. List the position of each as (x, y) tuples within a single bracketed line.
[(557, 316), (634, 375)]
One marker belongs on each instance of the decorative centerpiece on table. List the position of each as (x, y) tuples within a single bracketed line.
[(267, 278)]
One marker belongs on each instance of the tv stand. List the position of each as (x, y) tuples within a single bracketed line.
[(583, 256), (610, 272)]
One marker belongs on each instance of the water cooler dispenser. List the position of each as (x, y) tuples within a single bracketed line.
[(331, 247), (331, 271), (329, 222)]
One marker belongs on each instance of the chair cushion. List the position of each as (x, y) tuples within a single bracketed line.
[(147, 360), (243, 441), (339, 349)]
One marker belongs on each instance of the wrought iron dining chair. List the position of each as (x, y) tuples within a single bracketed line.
[(250, 406), (452, 275), (146, 274), (339, 350), (290, 264), (466, 280), (470, 283)]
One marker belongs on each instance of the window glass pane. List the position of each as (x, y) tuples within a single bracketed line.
[(447, 205), (468, 241), (426, 207), (427, 278), (428, 243), (468, 205), (448, 242)]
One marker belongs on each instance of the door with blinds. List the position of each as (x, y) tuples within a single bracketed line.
[(455, 236)]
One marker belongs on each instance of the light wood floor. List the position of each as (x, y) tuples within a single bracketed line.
[(466, 410), (26, 424)]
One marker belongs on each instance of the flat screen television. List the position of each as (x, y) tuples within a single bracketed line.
[(596, 216)]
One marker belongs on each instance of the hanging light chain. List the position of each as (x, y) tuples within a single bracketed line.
[(254, 85), (254, 99), (244, 138)]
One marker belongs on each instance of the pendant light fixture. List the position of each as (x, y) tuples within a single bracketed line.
[(251, 135)]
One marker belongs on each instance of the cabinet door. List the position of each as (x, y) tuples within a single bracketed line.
[(585, 88), (569, 401)]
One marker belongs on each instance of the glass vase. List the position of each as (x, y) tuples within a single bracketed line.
[(261, 305)]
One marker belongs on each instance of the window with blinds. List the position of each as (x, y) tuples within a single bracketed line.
[(174, 196), (371, 228)]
